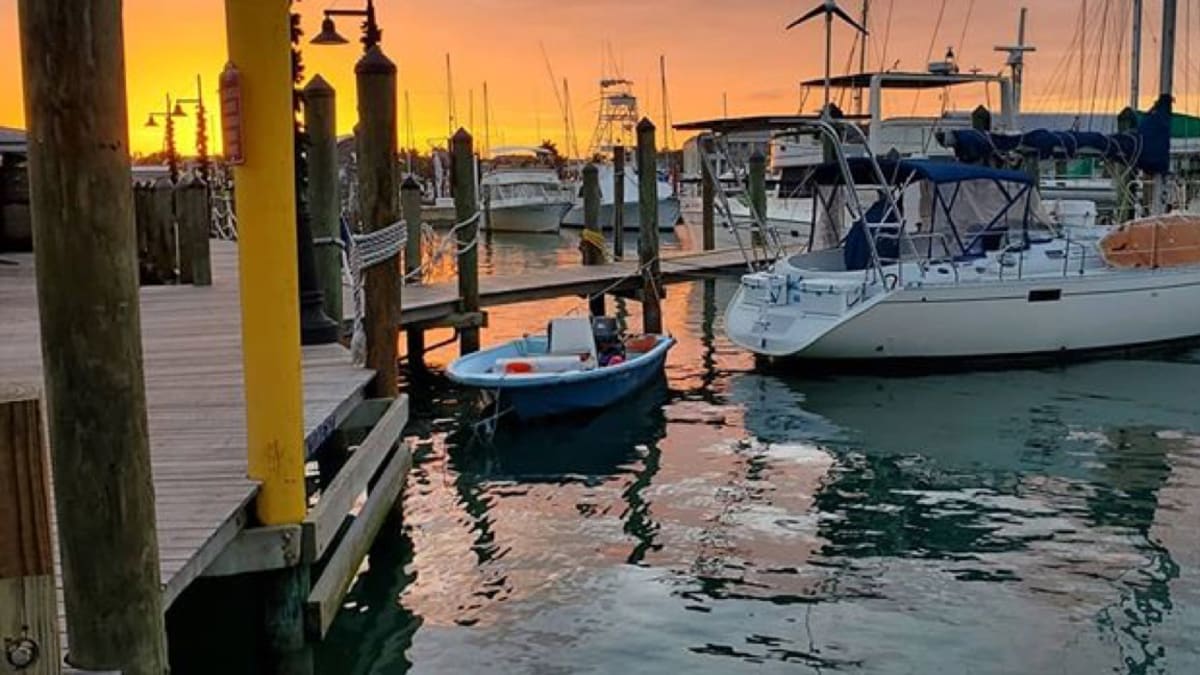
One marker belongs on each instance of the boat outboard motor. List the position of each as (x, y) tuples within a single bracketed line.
[(607, 334)]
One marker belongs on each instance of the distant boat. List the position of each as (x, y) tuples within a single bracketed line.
[(668, 203), (579, 365), (520, 194)]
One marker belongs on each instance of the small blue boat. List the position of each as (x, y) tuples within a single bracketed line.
[(578, 365)]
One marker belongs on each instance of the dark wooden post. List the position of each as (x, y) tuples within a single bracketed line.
[(410, 205), (708, 196), (618, 207), (161, 230), (592, 240), (193, 213), (28, 607), (73, 59), (647, 162), (324, 198), (758, 198), (142, 194), (378, 200), (466, 208)]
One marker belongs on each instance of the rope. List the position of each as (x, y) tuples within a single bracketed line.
[(380, 245), (364, 251)]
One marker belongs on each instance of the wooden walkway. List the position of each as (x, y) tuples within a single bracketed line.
[(193, 367), (428, 304)]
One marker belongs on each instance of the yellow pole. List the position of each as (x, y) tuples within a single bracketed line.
[(260, 48)]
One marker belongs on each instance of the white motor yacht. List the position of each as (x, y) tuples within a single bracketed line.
[(668, 203), (522, 192)]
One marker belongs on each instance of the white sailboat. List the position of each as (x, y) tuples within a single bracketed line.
[(956, 261)]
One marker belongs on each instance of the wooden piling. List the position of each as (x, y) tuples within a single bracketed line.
[(410, 205), (160, 231), (592, 238), (708, 199), (28, 607), (379, 205), (758, 198), (86, 266), (466, 208), (324, 198), (193, 216), (647, 162), (618, 213)]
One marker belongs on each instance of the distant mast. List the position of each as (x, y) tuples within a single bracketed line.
[(862, 57), (1136, 67)]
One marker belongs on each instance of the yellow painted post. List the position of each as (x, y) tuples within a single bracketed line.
[(261, 51)]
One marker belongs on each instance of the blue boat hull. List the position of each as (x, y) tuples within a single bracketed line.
[(568, 397), (538, 395)]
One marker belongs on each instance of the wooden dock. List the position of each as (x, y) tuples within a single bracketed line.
[(193, 369), (431, 304)]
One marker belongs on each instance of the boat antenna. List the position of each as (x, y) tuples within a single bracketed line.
[(828, 9), (666, 104)]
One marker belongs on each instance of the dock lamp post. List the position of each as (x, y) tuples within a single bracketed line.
[(168, 115), (203, 163), (370, 29)]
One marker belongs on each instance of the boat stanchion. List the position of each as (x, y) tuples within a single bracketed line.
[(651, 268), (379, 205)]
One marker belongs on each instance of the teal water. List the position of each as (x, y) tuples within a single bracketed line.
[(739, 520)]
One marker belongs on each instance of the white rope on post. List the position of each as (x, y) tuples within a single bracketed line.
[(366, 251)]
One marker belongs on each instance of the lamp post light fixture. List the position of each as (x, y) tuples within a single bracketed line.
[(370, 29), (169, 114), (203, 163)]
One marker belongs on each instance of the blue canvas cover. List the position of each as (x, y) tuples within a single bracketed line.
[(1148, 147)]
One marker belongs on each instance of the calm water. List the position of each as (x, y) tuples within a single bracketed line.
[(1039, 521)]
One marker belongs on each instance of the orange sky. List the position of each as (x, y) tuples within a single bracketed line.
[(711, 47)]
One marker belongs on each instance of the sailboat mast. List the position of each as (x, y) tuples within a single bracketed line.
[(1136, 66), (828, 57), (450, 116), (862, 57), (1162, 185), (1167, 68), (666, 109), (487, 121)]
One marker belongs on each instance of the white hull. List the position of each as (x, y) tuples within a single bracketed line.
[(1009, 319), (528, 218), (668, 215)]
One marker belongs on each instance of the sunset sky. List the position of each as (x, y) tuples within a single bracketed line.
[(711, 47)]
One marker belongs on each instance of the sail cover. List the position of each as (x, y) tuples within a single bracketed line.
[(1147, 147)]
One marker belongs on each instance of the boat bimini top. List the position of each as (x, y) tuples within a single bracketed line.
[(919, 209)]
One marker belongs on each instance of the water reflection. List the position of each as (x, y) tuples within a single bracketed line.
[(728, 520)]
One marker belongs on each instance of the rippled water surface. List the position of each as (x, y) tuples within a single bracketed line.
[(731, 519)]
